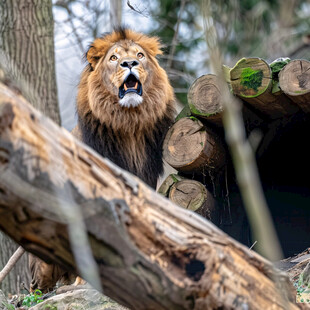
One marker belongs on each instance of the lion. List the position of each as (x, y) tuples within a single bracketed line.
[(125, 105)]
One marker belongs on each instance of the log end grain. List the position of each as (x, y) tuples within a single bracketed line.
[(250, 77), (204, 96), (190, 147), (294, 80), (193, 195)]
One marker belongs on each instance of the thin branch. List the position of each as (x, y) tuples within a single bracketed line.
[(137, 10), (175, 36), (74, 30), (11, 263)]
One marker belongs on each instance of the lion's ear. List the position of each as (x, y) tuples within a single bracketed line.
[(92, 56), (153, 46), (98, 49)]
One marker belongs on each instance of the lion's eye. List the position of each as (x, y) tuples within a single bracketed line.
[(140, 55), (113, 58)]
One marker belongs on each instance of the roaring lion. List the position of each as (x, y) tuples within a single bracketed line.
[(125, 105), (125, 102)]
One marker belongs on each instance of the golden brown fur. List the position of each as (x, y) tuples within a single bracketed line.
[(44, 276)]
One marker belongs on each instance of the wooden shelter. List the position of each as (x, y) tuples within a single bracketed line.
[(275, 106)]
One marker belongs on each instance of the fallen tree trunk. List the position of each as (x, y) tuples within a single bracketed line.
[(151, 254)]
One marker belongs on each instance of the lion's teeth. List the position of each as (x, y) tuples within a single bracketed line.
[(125, 87), (136, 86)]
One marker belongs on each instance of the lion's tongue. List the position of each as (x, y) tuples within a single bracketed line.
[(130, 84)]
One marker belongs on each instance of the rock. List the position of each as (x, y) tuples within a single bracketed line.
[(89, 299)]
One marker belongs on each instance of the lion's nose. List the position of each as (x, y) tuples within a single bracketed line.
[(129, 64)]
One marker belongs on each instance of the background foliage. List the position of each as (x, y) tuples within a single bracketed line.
[(267, 29)]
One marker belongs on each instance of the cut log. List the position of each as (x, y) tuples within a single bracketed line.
[(150, 253), (191, 195), (194, 196), (204, 99), (165, 187), (294, 81), (190, 147), (251, 80)]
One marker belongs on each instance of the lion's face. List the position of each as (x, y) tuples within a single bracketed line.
[(126, 71), (124, 87)]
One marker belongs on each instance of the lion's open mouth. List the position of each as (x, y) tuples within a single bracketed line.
[(130, 85)]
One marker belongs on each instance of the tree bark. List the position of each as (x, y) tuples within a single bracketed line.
[(27, 57), (27, 51), (151, 254), (116, 13)]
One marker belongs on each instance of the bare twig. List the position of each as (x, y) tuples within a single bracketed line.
[(70, 19), (11, 263), (137, 10), (175, 36)]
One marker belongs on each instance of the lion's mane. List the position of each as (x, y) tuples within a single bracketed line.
[(131, 137)]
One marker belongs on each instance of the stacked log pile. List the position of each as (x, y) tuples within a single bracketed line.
[(275, 100)]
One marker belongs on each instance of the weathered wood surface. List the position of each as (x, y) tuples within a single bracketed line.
[(294, 80), (251, 80), (151, 254), (191, 147)]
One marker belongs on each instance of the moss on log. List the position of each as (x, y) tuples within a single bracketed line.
[(251, 80)]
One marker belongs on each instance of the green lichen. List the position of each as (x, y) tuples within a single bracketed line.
[(277, 66), (193, 118), (175, 178), (251, 79), (197, 112), (275, 88)]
